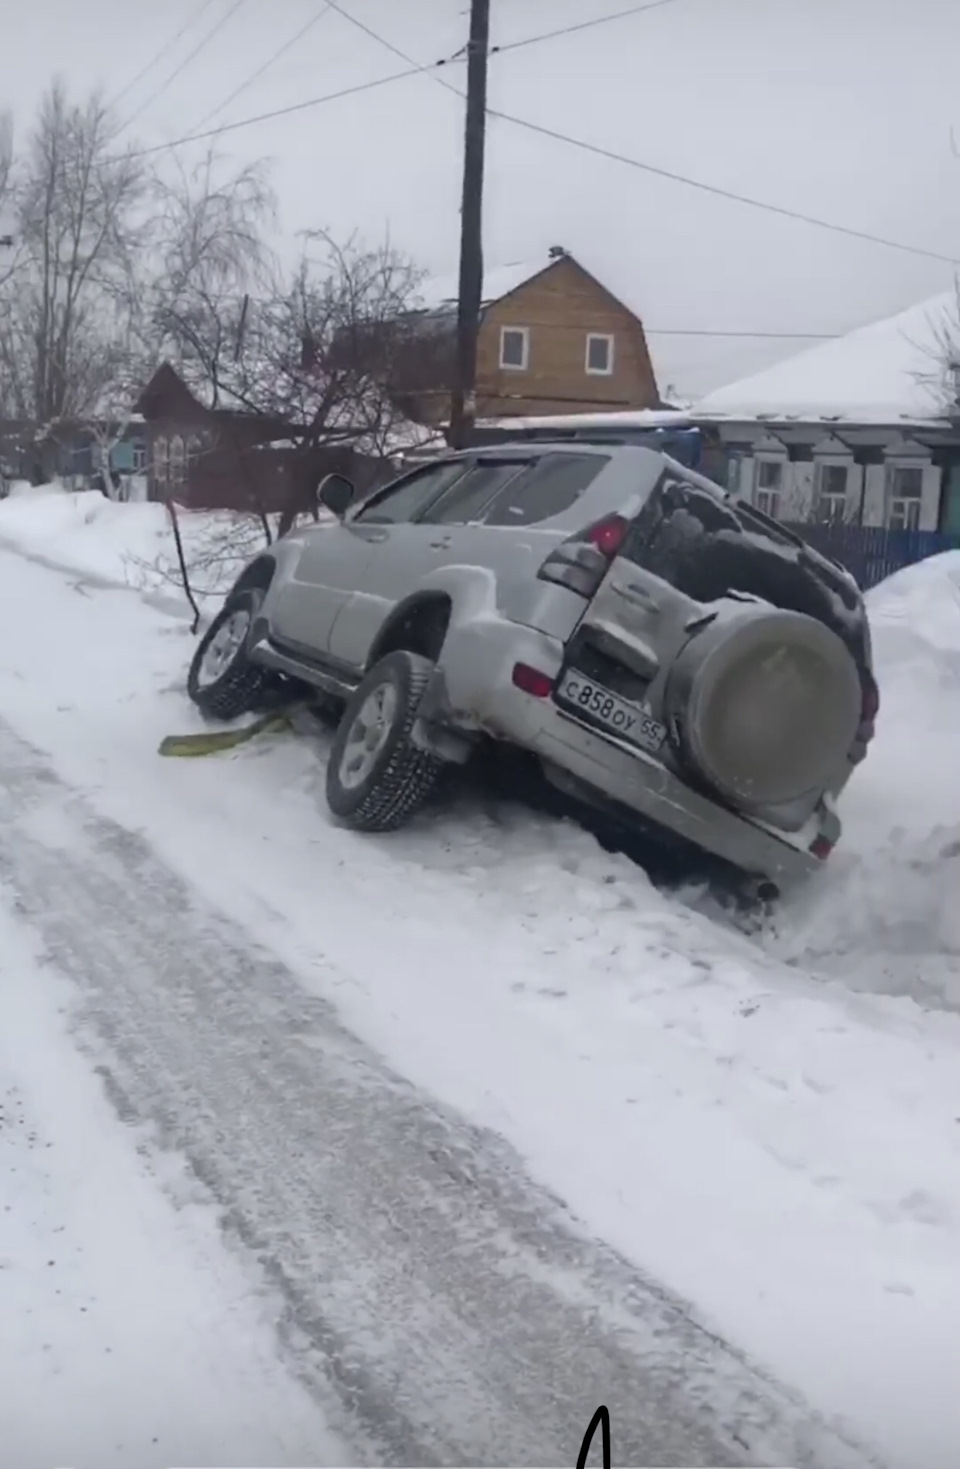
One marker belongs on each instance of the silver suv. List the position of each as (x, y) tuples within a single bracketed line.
[(665, 651)]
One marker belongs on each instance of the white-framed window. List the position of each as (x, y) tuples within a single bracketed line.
[(830, 493), (160, 459), (139, 457), (599, 357), (768, 485), (515, 348), (177, 460), (904, 496)]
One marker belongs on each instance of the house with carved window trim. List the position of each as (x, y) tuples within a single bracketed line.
[(863, 429)]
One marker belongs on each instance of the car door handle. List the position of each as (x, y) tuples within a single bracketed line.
[(373, 535), (634, 592), (440, 545)]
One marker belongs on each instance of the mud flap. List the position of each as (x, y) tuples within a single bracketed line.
[(212, 742)]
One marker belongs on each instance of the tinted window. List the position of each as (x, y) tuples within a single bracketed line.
[(408, 498), (470, 496), (548, 487)]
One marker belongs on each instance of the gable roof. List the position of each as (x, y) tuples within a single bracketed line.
[(441, 292), (889, 372)]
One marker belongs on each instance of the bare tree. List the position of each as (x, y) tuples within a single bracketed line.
[(8, 239), (106, 251), (317, 352), (206, 248), (942, 377), (78, 221)]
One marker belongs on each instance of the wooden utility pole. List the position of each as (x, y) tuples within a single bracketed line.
[(463, 405)]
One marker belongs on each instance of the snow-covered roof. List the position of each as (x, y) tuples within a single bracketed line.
[(889, 372), (629, 418), (442, 291)]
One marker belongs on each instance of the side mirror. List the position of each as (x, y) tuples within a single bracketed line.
[(336, 494)]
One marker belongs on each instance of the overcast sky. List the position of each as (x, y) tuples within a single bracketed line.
[(841, 109)]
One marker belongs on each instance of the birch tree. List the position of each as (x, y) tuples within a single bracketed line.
[(77, 203)]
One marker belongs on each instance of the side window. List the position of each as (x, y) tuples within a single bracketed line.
[(469, 497), (549, 487), (405, 500)]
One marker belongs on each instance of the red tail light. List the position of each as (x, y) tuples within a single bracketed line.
[(583, 560), (609, 534), (532, 681), (821, 847)]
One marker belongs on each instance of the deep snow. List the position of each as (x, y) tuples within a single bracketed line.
[(129, 1335), (885, 917), (889, 371), (778, 1149)]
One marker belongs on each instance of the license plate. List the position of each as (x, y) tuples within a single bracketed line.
[(583, 696)]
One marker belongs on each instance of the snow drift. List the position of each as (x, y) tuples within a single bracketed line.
[(885, 915), (130, 545)]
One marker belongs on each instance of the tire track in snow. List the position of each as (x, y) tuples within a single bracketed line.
[(452, 1305)]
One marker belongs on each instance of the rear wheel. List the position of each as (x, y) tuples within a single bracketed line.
[(222, 681), (377, 779)]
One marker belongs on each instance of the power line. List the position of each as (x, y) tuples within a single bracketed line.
[(413, 68), (583, 25), (159, 55), (678, 178), (596, 149), (403, 55), (719, 332), (720, 193), (201, 45), (684, 331), (271, 60), (309, 102)]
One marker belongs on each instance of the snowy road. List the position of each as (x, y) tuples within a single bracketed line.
[(752, 1136), (455, 1313)]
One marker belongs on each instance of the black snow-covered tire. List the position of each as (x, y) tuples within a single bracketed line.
[(228, 685), (376, 777)]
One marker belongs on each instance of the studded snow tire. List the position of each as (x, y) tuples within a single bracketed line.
[(400, 777), (241, 687)]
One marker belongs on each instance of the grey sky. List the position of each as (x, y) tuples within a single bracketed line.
[(838, 108)]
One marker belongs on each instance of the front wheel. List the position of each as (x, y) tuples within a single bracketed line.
[(376, 777), (222, 681)]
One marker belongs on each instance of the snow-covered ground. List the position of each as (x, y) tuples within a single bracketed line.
[(770, 1127), (886, 916), (129, 1335)]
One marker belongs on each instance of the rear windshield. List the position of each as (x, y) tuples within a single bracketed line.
[(706, 547)]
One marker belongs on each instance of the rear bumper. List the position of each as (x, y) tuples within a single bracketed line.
[(477, 668), (642, 784)]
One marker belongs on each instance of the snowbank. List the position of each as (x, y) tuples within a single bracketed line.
[(127, 1329), (781, 1152), (886, 915), (129, 545)]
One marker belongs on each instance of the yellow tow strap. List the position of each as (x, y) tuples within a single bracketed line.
[(213, 741)]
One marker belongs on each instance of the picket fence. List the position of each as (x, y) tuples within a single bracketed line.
[(871, 553)]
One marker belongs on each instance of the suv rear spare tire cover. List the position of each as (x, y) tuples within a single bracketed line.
[(764, 705)]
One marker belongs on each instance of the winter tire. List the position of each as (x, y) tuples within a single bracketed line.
[(222, 681), (376, 777)]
